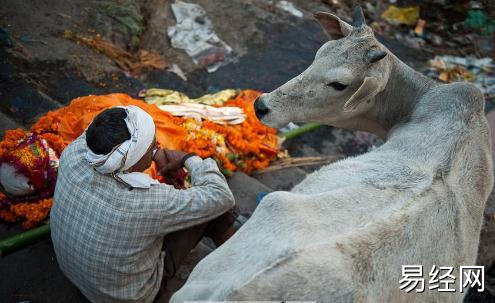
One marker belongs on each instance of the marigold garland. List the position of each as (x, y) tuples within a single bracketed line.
[(248, 146), (34, 208), (55, 141), (32, 212)]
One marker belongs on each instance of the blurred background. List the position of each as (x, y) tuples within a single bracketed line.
[(52, 51)]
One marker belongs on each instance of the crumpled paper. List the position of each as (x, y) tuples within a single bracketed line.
[(194, 34), (290, 8)]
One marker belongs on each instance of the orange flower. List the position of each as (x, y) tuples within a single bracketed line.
[(7, 216), (55, 141), (48, 123), (11, 139), (253, 144), (33, 213)]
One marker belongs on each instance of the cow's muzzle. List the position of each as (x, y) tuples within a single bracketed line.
[(260, 108)]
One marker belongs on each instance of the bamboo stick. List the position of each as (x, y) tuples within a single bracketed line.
[(23, 239), (300, 130)]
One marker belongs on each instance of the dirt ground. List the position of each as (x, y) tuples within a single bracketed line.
[(43, 68)]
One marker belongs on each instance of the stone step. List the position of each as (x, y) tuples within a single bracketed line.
[(7, 123), (245, 190), (24, 103), (282, 179)]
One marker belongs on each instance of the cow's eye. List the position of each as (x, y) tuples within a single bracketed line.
[(337, 85)]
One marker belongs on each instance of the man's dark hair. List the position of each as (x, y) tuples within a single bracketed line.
[(107, 130)]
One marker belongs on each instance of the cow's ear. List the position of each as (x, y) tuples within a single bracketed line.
[(366, 91), (333, 26)]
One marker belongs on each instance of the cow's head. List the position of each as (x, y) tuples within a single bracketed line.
[(347, 73)]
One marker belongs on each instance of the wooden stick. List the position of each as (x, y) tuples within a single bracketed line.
[(299, 161)]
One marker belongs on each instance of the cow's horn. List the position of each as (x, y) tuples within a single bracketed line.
[(358, 18), (375, 55)]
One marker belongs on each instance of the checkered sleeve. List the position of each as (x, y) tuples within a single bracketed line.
[(208, 197)]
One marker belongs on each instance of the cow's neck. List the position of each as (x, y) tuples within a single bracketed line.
[(395, 103)]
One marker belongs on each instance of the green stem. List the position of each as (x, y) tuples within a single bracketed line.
[(300, 130), (23, 239)]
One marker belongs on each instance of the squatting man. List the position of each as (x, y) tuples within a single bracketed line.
[(118, 234)]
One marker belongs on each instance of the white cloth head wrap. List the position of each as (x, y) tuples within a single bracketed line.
[(142, 129)]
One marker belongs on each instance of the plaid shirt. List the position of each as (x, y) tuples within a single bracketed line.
[(108, 237)]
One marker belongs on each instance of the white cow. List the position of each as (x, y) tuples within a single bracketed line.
[(344, 233)]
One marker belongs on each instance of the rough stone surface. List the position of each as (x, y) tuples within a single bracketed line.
[(7, 123), (282, 179), (198, 253), (245, 190), (32, 274)]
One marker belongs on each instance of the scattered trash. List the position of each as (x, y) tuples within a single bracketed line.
[(289, 127), (194, 33), (434, 39), (126, 17), (457, 73), (420, 27), (178, 71), (396, 16), (479, 71), (134, 64), (411, 40), (482, 63), (290, 8), (479, 21), (160, 96)]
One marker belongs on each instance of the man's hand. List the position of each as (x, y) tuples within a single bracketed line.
[(169, 161)]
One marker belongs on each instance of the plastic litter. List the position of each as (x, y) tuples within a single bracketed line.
[(420, 27), (290, 8), (479, 20), (178, 71), (395, 15), (479, 71), (411, 40), (194, 34)]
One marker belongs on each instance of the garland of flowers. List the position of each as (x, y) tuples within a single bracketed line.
[(249, 146), (33, 213), (34, 208)]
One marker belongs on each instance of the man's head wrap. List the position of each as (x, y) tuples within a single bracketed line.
[(123, 156)]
